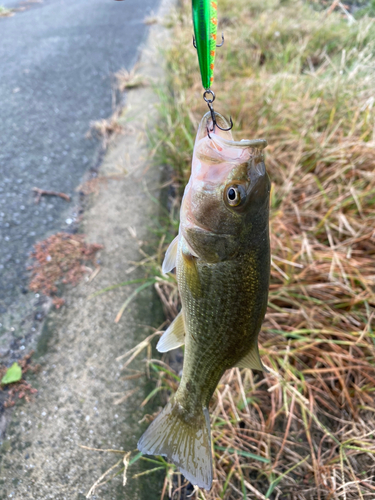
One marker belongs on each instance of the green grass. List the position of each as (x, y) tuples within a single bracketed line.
[(368, 9)]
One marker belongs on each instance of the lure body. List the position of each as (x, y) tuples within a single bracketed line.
[(205, 31)]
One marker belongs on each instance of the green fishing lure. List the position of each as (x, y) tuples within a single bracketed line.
[(205, 31)]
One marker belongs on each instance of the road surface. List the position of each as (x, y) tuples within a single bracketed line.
[(57, 61)]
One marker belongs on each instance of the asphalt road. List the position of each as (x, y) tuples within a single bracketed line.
[(56, 62)]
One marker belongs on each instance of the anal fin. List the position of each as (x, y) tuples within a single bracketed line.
[(252, 360), (174, 336)]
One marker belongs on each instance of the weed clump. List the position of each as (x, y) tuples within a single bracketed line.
[(9, 393), (5, 12), (60, 259), (106, 129)]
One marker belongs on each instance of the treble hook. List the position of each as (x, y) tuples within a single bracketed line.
[(209, 102), (222, 41)]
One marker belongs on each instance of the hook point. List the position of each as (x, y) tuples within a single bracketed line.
[(226, 129), (222, 41)]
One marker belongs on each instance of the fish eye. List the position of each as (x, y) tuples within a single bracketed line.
[(235, 195)]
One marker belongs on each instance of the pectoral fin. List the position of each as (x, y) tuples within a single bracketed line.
[(252, 360), (191, 272), (170, 258), (174, 336)]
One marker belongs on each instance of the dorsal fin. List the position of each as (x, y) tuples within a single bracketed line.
[(174, 336), (252, 360), (169, 262)]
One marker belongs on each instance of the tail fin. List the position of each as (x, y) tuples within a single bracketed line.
[(184, 440)]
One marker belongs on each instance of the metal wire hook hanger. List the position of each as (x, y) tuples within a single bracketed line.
[(209, 101)]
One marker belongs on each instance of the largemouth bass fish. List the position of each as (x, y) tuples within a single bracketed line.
[(222, 259)]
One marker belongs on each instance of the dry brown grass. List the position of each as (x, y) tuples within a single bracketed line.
[(106, 129), (129, 79), (303, 80)]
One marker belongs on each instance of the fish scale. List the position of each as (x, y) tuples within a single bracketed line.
[(213, 350)]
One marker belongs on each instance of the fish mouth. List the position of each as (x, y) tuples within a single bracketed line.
[(225, 137), (216, 153)]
